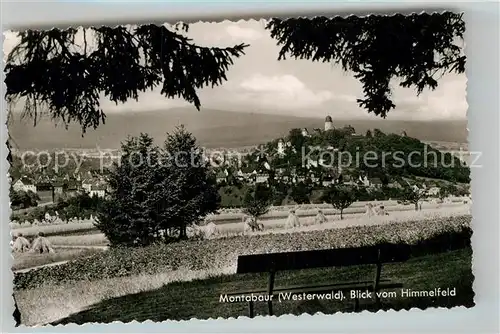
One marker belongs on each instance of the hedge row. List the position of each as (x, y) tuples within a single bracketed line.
[(424, 236)]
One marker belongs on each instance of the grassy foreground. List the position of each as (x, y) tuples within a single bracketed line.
[(424, 237), (200, 298)]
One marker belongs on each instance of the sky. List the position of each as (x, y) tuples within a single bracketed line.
[(258, 82)]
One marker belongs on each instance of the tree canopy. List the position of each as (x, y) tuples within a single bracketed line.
[(155, 193), (412, 48), (58, 75)]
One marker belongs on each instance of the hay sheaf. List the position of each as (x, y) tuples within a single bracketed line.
[(223, 252), (21, 244), (42, 245)]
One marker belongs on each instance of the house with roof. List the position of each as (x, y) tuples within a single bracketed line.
[(433, 191), (221, 176), (394, 184), (375, 182), (261, 177), (245, 170), (327, 181), (281, 147), (58, 187), (363, 181), (283, 175), (24, 184), (98, 190), (71, 186), (87, 184), (314, 178)]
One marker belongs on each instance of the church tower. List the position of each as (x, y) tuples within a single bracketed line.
[(328, 123)]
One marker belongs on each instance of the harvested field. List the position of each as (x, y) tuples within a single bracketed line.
[(233, 219), (55, 229), (222, 253), (28, 260), (94, 239)]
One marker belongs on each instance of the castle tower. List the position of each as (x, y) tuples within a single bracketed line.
[(328, 123)]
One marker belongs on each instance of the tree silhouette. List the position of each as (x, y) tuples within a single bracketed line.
[(156, 190), (412, 48), (413, 195), (58, 76), (257, 201), (340, 197)]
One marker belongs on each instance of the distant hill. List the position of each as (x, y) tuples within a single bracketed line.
[(212, 128)]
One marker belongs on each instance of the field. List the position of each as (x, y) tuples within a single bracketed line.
[(448, 270), (235, 215), (85, 236), (79, 284), (92, 277), (23, 261)]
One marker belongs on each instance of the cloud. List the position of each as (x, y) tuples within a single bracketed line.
[(447, 101), (281, 91), (10, 39), (243, 34)]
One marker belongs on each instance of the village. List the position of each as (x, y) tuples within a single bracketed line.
[(275, 163)]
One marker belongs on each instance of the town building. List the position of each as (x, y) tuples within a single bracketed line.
[(221, 177), (433, 191), (261, 178), (98, 190), (24, 184), (87, 184)]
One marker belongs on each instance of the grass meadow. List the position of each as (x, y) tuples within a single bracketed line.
[(139, 294), (151, 297)]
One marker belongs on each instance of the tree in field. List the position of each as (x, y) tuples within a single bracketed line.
[(301, 193), (413, 195), (412, 48), (64, 78), (127, 217), (196, 191), (155, 191), (340, 197), (443, 193), (257, 202)]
